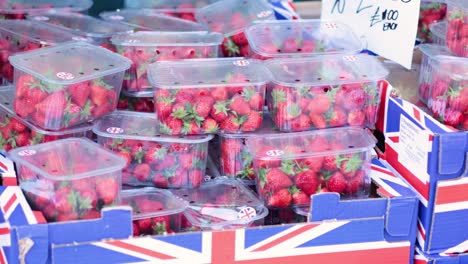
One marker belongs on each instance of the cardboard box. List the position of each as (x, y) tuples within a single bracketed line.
[(442, 258), (360, 231), (433, 159)]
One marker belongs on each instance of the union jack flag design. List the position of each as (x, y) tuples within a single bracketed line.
[(421, 258), (431, 157), (7, 171), (284, 9)]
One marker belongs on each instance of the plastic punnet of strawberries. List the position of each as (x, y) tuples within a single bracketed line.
[(22, 35), (16, 132), (293, 38), (144, 48), (155, 211), (457, 31), (429, 51), (94, 30), (68, 179), (137, 104), (148, 20), (323, 92), (291, 167), (66, 85), (11, 9), (209, 95), (183, 9), (231, 17), (448, 97), (221, 203), (153, 159), (430, 12)]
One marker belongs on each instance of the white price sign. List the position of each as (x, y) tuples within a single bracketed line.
[(387, 26)]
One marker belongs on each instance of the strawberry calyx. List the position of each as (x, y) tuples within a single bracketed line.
[(288, 167), (456, 14), (103, 84), (294, 190), (86, 110), (278, 96), (170, 172), (159, 229), (180, 112), (165, 129), (231, 47), (160, 153), (248, 92), (262, 177), (139, 155), (353, 163)]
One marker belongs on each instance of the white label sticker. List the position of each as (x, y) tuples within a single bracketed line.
[(115, 130), (349, 58), (275, 153), (116, 17), (241, 63), (264, 14), (247, 213), (41, 18), (330, 25), (65, 75), (378, 21), (207, 178), (413, 148), (27, 152)]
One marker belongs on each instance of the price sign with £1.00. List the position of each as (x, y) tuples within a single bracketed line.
[(388, 27)]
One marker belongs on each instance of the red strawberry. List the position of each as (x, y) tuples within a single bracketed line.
[(155, 155), (301, 123), (23, 85), (240, 39), (282, 198), (353, 185), (256, 102), (203, 106), (100, 110), (16, 125), (163, 107), (307, 181), (219, 94), (191, 128), (160, 181), (53, 106), (356, 118), (107, 189), (179, 179), (253, 122), (102, 93), (210, 126), (437, 106), (330, 163), (336, 183), (219, 111), (231, 124), (195, 177), (371, 113), (88, 199), (126, 155), (299, 197), (64, 200), (318, 121), (320, 104), (142, 172), (22, 139), (172, 126), (338, 118), (453, 117), (240, 106), (290, 46), (231, 146), (23, 108), (439, 88), (313, 163), (274, 179), (79, 93), (350, 165), (229, 48), (355, 99)]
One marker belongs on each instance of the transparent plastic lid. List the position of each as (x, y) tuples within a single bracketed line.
[(7, 95), (326, 70), (307, 37), (28, 6), (36, 32), (296, 145), (233, 16), (205, 73), (151, 202), (148, 20), (82, 24), (432, 50), (70, 63), (222, 202), (454, 67), (179, 5), (439, 29), (60, 160), (139, 126), (158, 38), (462, 4)]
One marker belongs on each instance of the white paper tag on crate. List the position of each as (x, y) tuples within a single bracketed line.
[(388, 26)]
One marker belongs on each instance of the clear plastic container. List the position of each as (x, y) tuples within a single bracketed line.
[(144, 48), (18, 9), (184, 9), (209, 95), (16, 132), (68, 179), (137, 104), (221, 203), (66, 85), (234, 157), (299, 38), (457, 32), (430, 12), (152, 159), (155, 211), (147, 20), (448, 97), (22, 35), (326, 91), (439, 33), (231, 18), (291, 167), (96, 30), (425, 72)]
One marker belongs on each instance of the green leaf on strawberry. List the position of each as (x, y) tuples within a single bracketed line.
[(288, 167), (179, 113), (73, 199), (159, 229), (102, 83), (278, 96), (262, 177), (86, 110), (165, 129), (231, 48), (170, 172)]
